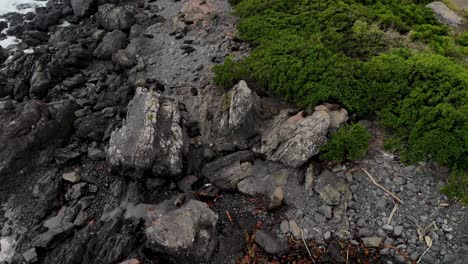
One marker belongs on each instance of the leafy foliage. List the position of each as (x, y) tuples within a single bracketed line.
[(457, 186), (389, 58), (350, 142)]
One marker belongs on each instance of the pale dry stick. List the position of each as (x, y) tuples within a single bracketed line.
[(395, 208), (429, 245), (307, 247), (381, 187)]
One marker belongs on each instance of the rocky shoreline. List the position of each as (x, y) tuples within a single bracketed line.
[(117, 148)]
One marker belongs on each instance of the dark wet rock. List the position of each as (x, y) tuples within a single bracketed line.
[(294, 140), (76, 191), (124, 59), (111, 43), (151, 137), (40, 81), (196, 236), (35, 134), (91, 126), (3, 25), (52, 236), (111, 17), (63, 155), (83, 8), (34, 37), (270, 243), (44, 21), (108, 241), (20, 90), (3, 55), (228, 171)]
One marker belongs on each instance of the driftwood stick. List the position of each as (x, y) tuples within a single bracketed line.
[(395, 208), (381, 187), (307, 247)]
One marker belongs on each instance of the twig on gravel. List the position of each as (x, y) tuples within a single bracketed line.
[(307, 247), (429, 245), (395, 208), (381, 187), (229, 216)]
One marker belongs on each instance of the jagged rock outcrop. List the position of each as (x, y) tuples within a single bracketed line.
[(40, 81), (111, 43), (33, 136), (444, 14), (111, 17), (151, 138), (226, 172), (186, 234), (294, 140), (82, 8)]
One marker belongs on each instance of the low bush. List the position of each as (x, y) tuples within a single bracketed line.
[(457, 186), (350, 142), (388, 58)]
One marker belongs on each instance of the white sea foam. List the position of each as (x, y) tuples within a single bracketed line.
[(7, 6)]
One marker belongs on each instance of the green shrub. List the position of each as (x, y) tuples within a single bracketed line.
[(457, 186), (312, 51), (229, 73), (350, 142)]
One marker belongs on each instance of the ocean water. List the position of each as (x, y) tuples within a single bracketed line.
[(7, 6)]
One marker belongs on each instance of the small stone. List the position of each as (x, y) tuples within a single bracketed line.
[(385, 251), (326, 211), (447, 228), (372, 241), (294, 229), (327, 235), (299, 213), (365, 232), (30, 255), (330, 196), (270, 243), (414, 255), (449, 236), (276, 198), (72, 177), (399, 258), (284, 227), (381, 204), (387, 227), (398, 230)]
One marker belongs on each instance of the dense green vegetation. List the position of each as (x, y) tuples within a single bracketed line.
[(388, 58), (350, 142), (457, 186)]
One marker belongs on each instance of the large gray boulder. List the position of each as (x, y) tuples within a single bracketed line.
[(226, 172), (82, 8), (185, 234), (111, 17), (444, 14), (150, 138), (294, 140), (111, 43)]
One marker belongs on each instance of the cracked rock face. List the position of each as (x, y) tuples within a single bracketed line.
[(444, 14), (150, 138), (187, 233), (294, 140)]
